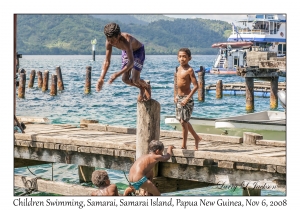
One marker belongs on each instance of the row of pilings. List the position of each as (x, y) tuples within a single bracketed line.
[(249, 86), (43, 81)]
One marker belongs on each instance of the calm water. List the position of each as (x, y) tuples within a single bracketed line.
[(116, 104)]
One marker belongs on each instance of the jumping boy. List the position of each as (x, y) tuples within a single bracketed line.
[(133, 56), (184, 100), (141, 172), (100, 179)]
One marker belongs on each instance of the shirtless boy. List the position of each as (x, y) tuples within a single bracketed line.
[(133, 56), (141, 172), (100, 179), (184, 100)]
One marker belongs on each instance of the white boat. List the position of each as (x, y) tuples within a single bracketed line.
[(265, 32), (270, 124)]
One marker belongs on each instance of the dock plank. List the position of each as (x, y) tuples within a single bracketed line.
[(215, 147)]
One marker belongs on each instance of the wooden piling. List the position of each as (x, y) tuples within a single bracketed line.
[(31, 79), (60, 83), (53, 89), (249, 94), (148, 125), (22, 83), (274, 93), (88, 76), (250, 138), (45, 80), (175, 83), (40, 79), (219, 89), (85, 173), (201, 84)]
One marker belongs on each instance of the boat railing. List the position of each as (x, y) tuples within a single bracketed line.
[(260, 49), (256, 31)]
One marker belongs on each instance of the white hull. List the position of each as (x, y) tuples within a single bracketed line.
[(270, 124)]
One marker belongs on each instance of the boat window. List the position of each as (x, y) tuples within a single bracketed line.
[(282, 49), (236, 61), (260, 16)]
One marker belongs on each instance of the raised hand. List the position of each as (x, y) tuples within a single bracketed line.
[(99, 84)]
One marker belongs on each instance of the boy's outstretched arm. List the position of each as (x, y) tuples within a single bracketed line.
[(168, 155), (105, 66)]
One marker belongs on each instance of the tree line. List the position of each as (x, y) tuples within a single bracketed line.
[(51, 34)]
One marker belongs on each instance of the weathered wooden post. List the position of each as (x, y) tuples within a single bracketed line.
[(201, 84), (249, 94), (31, 79), (53, 89), (250, 138), (88, 76), (175, 83), (45, 80), (148, 125), (40, 79), (219, 89), (60, 83), (22, 83), (274, 93)]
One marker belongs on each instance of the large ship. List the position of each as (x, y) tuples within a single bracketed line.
[(261, 32)]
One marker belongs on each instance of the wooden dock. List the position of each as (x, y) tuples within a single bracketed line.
[(220, 159)]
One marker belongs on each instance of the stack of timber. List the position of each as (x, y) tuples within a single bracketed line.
[(263, 62)]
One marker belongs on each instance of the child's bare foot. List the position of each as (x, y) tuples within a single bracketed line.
[(197, 142), (148, 93), (141, 95), (183, 147)]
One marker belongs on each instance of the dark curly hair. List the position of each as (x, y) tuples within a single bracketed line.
[(186, 50), (156, 145), (99, 177), (112, 30)]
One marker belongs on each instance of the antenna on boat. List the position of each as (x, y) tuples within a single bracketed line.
[(237, 32)]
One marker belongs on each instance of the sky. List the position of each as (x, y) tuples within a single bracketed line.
[(225, 17)]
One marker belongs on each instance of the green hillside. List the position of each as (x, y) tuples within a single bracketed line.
[(72, 34)]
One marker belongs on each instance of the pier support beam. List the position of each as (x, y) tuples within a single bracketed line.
[(148, 125), (22, 83), (60, 83), (31, 79), (219, 89), (85, 173), (201, 84), (88, 76), (249, 94), (45, 81), (53, 90), (274, 93), (40, 79)]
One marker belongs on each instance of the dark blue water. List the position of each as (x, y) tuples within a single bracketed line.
[(116, 103)]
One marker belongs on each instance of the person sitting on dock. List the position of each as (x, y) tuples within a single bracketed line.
[(184, 100), (133, 56), (100, 179), (141, 172)]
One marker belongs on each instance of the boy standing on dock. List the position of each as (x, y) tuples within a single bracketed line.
[(141, 172), (100, 179), (184, 100), (133, 56)]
